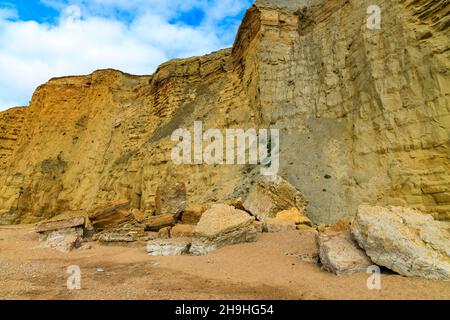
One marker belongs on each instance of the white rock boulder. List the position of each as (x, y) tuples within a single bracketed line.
[(220, 226), (340, 255), (404, 240)]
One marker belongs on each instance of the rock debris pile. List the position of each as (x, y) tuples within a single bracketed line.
[(404, 240)]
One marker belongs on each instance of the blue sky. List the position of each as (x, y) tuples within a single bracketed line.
[(41, 39)]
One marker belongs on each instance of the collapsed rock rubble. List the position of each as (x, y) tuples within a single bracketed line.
[(403, 240)]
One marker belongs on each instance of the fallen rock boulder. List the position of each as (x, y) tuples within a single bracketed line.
[(404, 240), (220, 226), (279, 225), (168, 247), (138, 215), (259, 226), (269, 197), (340, 255), (110, 215), (164, 233), (63, 240), (171, 199), (182, 231), (294, 215), (156, 223), (193, 214), (52, 225)]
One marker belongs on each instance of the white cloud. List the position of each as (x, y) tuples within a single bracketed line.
[(92, 35), (7, 13)]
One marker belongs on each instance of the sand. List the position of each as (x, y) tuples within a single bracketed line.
[(274, 267)]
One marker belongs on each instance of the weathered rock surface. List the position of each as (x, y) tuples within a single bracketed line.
[(171, 199), (404, 240), (156, 223), (112, 236), (238, 203), (306, 229), (182, 231), (295, 216), (193, 214), (164, 233), (63, 240), (220, 226), (124, 234), (168, 247), (269, 197), (279, 225), (53, 225), (138, 215), (259, 226), (341, 255), (111, 215), (363, 117)]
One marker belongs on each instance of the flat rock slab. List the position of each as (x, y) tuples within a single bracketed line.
[(115, 218), (168, 247), (103, 212), (341, 255), (63, 240), (404, 240), (119, 235), (115, 237), (269, 197), (157, 223), (111, 215), (220, 226), (60, 224)]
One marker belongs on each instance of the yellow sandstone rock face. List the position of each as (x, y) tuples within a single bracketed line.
[(363, 114), (294, 215)]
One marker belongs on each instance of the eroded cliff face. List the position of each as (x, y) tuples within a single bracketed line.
[(364, 113), (364, 116)]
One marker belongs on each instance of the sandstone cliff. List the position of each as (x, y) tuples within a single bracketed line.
[(364, 116)]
